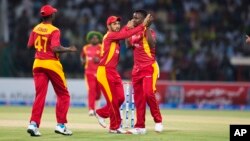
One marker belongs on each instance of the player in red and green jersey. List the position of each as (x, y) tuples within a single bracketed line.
[(144, 74), (107, 75), (45, 38), (90, 57)]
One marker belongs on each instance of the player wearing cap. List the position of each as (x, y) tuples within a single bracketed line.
[(90, 57), (45, 38), (107, 75), (144, 75)]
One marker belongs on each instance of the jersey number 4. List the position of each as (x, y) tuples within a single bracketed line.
[(38, 43)]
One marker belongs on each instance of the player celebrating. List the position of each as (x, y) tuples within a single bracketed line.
[(107, 75), (45, 38), (144, 75), (90, 56)]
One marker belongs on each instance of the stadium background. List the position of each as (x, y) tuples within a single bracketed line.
[(196, 39)]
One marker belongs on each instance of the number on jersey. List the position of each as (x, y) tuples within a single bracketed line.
[(38, 43)]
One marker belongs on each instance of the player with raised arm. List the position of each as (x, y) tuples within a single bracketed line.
[(107, 75), (144, 74)]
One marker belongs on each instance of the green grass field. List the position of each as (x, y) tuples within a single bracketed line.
[(180, 125)]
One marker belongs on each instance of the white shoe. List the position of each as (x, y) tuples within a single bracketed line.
[(119, 131), (137, 131), (91, 112), (33, 130), (101, 120), (158, 127), (62, 129)]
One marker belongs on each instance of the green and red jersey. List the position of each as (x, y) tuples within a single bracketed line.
[(90, 52)]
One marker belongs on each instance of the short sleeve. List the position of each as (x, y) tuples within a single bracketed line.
[(55, 39), (31, 39), (83, 52)]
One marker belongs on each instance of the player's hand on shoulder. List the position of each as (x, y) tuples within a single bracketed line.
[(130, 24)]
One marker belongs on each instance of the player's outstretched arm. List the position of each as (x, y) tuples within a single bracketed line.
[(62, 49), (123, 34), (128, 33)]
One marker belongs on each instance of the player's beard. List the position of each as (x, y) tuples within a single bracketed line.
[(115, 29)]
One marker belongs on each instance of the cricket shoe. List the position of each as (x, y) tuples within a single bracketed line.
[(158, 127), (33, 130), (91, 112), (137, 131), (101, 120), (119, 131), (62, 129)]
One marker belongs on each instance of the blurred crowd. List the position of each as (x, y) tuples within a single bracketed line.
[(195, 38)]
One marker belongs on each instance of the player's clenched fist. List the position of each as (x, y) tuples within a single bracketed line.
[(147, 21)]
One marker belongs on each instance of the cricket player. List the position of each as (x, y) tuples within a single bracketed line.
[(90, 58), (144, 74), (45, 38), (107, 75)]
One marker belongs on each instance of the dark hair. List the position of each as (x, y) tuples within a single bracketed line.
[(45, 18), (144, 13)]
